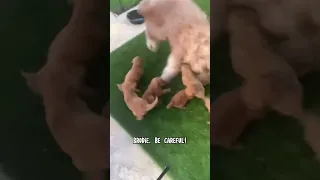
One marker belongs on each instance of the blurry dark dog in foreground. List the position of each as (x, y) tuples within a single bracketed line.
[(83, 135), (270, 81)]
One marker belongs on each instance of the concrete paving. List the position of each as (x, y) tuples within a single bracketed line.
[(128, 161)]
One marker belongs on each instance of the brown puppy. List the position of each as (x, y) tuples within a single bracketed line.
[(137, 105), (134, 75), (79, 132), (179, 100), (155, 89), (194, 87)]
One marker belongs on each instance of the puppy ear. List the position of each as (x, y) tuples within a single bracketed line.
[(32, 80), (119, 87)]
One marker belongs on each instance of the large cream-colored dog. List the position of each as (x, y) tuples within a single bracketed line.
[(187, 29)]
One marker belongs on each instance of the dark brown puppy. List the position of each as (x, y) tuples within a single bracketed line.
[(83, 135)]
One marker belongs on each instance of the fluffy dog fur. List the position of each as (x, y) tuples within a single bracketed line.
[(83, 135), (134, 74), (179, 100), (187, 29), (155, 89)]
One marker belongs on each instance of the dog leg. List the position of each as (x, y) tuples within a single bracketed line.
[(172, 68), (151, 43)]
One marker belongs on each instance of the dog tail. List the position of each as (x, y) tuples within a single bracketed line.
[(153, 104)]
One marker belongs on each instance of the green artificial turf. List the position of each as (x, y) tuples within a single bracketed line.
[(115, 5), (188, 161)]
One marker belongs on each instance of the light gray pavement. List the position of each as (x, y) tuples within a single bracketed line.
[(128, 161)]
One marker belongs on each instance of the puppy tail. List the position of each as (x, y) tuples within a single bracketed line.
[(207, 103), (169, 105), (153, 104)]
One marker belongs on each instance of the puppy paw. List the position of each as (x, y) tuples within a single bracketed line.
[(152, 45)]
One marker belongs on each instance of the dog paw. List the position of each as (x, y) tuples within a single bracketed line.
[(152, 45)]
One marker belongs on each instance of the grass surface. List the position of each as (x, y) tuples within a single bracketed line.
[(188, 161), (115, 5), (27, 149)]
